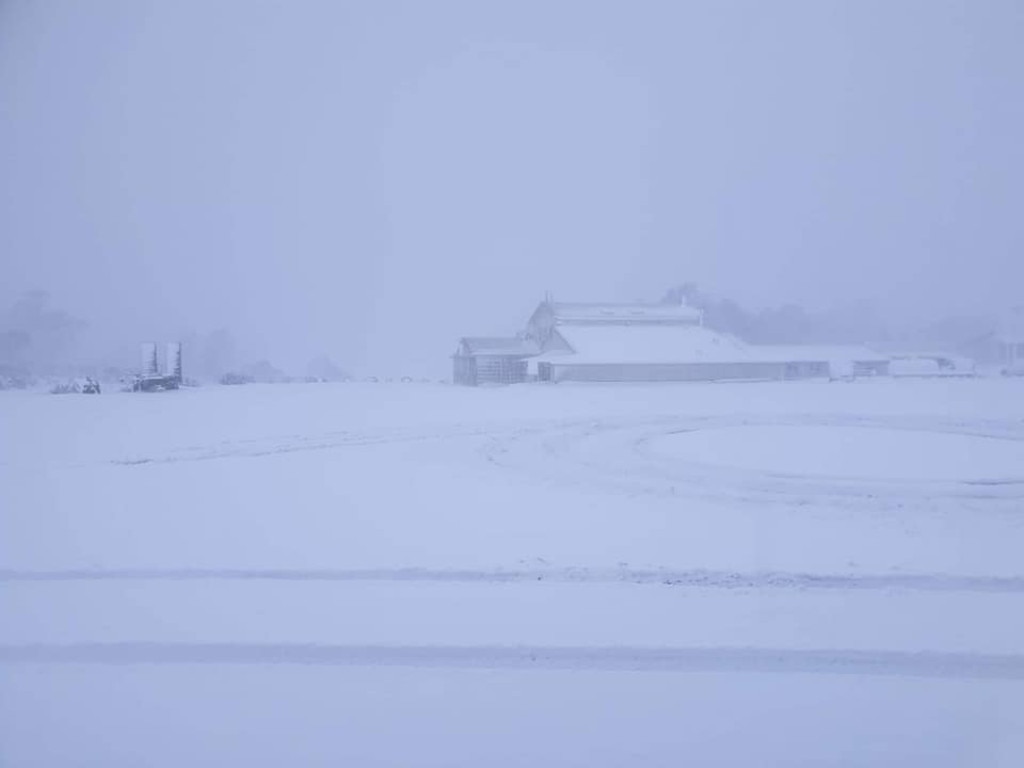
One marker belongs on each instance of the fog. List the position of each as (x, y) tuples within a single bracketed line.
[(370, 181), (611, 383)]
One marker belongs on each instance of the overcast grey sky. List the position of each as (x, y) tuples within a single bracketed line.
[(374, 179)]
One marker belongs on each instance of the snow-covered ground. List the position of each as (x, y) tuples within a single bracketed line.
[(793, 573)]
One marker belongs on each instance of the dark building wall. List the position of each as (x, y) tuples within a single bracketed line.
[(871, 368), (672, 372), (807, 370), (504, 370), (495, 369), (464, 370), (473, 370)]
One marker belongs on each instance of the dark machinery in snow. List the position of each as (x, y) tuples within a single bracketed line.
[(152, 379)]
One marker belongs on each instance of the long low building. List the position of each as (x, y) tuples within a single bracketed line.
[(641, 342)]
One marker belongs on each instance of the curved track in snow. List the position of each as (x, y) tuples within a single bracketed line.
[(618, 456), (621, 456)]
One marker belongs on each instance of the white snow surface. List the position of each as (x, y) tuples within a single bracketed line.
[(664, 344), (797, 573), (856, 452), (652, 344)]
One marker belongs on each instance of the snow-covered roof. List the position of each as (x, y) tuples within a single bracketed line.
[(650, 344), (567, 313), (655, 344), (497, 345)]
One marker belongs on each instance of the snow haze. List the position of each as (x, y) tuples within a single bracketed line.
[(499, 383), (369, 181)]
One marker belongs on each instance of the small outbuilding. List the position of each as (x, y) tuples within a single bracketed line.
[(492, 360)]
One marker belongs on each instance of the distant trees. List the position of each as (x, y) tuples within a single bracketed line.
[(236, 378), (215, 356), (787, 324), (14, 344), (260, 372), (957, 332), (264, 372), (36, 336), (208, 356), (324, 369)]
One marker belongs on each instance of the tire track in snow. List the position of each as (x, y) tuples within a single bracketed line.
[(550, 658), (695, 578), (273, 446), (614, 455), (277, 446)]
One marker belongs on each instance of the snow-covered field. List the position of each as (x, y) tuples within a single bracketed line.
[(397, 575)]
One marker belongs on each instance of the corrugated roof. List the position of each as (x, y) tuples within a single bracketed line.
[(497, 345), (572, 313)]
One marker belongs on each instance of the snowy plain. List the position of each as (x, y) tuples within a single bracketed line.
[(799, 573)]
